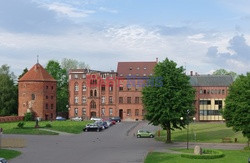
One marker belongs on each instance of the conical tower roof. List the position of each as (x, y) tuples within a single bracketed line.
[(37, 73)]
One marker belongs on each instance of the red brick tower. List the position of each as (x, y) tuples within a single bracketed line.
[(37, 93)]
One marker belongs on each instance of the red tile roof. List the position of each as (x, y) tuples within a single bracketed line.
[(37, 73), (138, 69)]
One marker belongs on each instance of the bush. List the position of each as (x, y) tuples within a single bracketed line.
[(207, 154), (48, 125), (20, 124), (247, 148), (29, 116)]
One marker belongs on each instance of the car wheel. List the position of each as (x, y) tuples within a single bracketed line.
[(86, 130), (151, 136), (138, 136), (98, 130)]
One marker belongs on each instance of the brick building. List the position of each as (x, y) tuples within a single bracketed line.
[(107, 94), (211, 92), (37, 93)]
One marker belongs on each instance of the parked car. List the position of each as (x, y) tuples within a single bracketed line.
[(117, 119), (144, 134), (59, 118), (95, 119), (77, 119), (93, 127), (3, 160)]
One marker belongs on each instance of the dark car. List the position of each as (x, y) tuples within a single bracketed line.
[(93, 127), (117, 119), (2, 160)]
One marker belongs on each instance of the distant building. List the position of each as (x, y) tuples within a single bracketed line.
[(211, 92), (107, 94), (37, 93)]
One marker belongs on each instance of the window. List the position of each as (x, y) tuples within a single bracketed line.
[(144, 74), (129, 87), (219, 103), (33, 96), (92, 105), (91, 93), (212, 91), (76, 76), (83, 99), (76, 111), (121, 100), (84, 76), (138, 68), (136, 112), (52, 106), (223, 91), (103, 76), (47, 97), (201, 91), (128, 112), (103, 111), (47, 106), (76, 100), (110, 99), (208, 91), (83, 111), (84, 88), (110, 111), (205, 102), (121, 88), (204, 91), (52, 97), (209, 112), (137, 86), (137, 74), (103, 87), (76, 87), (95, 93), (129, 100), (52, 87), (143, 112), (47, 87), (137, 100), (145, 68), (110, 88), (130, 68), (219, 91), (103, 99)]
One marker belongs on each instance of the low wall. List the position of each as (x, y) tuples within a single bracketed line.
[(11, 118)]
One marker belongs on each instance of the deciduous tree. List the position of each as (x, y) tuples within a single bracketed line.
[(168, 96), (225, 72), (237, 108)]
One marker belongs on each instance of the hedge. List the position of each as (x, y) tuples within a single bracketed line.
[(206, 154)]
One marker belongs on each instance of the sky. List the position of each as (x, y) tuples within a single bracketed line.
[(200, 35)]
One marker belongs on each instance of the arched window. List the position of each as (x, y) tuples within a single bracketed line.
[(84, 88), (92, 104), (91, 93), (76, 87), (95, 93), (33, 96)]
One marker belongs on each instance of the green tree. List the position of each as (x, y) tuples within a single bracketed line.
[(24, 72), (73, 64), (168, 96), (8, 92), (237, 106), (62, 94), (225, 72)]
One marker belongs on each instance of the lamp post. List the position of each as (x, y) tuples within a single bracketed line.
[(193, 131), (187, 116)]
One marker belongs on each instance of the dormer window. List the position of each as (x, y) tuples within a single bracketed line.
[(84, 76)]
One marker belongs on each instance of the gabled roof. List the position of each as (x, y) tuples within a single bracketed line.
[(37, 73), (138, 69), (211, 80)]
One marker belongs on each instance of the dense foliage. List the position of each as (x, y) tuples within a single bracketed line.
[(168, 96), (237, 108)]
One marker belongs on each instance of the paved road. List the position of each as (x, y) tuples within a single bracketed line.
[(114, 145)]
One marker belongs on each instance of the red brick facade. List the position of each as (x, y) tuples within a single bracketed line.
[(37, 93)]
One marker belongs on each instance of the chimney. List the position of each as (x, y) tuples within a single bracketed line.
[(191, 73), (157, 60)]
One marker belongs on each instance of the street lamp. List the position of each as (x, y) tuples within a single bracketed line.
[(181, 118)]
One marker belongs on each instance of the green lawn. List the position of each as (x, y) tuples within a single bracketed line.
[(9, 154), (231, 156), (64, 126), (205, 132)]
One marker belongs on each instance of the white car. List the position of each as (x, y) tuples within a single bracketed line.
[(77, 119), (95, 119)]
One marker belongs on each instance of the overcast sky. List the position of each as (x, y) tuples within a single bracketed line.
[(201, 35)]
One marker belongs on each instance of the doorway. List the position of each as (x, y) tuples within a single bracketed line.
[(121, 113), (92, 114)]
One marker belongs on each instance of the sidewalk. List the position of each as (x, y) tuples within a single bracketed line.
[(59, 132)]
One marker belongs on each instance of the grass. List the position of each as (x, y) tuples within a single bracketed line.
[(205, 132), (231, 156), (9, 154), (63, 126)]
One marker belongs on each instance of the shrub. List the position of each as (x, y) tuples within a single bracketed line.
[(207, 154), (247, 148), (20, 124), (29, 116), (48, 125)]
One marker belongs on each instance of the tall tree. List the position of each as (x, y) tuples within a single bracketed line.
[(8, 92), (168, 96), (225, 72), (73, 64), (62, 94), (237, 108)]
